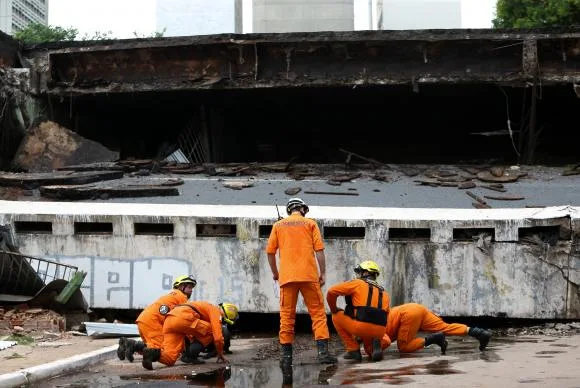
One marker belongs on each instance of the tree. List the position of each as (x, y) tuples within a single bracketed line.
[(39, 33), (537, 13), (155, 34)]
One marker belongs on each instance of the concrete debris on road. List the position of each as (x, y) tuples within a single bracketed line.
[(35, 180), (6, 344), (50, 146), (31, 320), (237, 185)]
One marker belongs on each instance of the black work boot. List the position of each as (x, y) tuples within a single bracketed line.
[(354, 355), (227, 338), (150, 355), (437, 339), (377, 352), (122, 348), (324, 356), (481, 334), (286, 356), (132, 346), (191, 354), (210, 351)]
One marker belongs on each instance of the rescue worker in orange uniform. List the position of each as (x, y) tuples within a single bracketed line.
[(150, 321), (406, 320), (198, 320), (298, 241), (365, 314)]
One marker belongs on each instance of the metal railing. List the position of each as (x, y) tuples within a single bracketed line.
[(26, 275)]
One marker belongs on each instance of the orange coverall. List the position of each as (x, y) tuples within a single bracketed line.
[(406, 320), (297, 238), (203, 325), (150, 321), (349, 328)]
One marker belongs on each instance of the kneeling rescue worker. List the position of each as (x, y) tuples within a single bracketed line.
[(365, 314), (406, 320), (150, 321), (198, 320)]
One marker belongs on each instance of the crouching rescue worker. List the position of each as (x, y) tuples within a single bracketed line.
[(210, 351), (406, 320), (299, 241), (150, 321), (201, 322), (365, 314)]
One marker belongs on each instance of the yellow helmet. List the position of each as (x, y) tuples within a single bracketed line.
[(368, 266), (184, 279), (230, 312)]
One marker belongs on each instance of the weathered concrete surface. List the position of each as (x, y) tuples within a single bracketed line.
[(518, 274), (309, 59)]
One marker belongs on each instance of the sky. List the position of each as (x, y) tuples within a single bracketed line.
[(128, 18)]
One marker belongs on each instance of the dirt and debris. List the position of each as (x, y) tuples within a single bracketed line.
[(237, 185), (549, 328), (25, 321), (106, 191), (36, 180), (50, 146), (292, 191), (572, 170)]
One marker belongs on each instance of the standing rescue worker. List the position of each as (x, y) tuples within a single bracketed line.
[(201, 322), (299, 241), (365, 314), (150, 321), (406, 320)]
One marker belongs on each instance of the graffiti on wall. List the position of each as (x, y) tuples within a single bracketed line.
[(135, 283)]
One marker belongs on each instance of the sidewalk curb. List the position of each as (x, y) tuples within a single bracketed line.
[(55, 368)]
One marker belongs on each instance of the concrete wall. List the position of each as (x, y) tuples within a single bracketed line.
[(186, 17), (420, 14), (302, 15), (502, 274)]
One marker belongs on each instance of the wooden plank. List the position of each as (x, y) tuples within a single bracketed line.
[(508, 197), (35, 180), (104, 192), (329, 193)]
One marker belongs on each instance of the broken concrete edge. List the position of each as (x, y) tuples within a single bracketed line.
[(45, 371)]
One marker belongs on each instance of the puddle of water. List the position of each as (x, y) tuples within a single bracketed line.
[(550, 352), (268, 373), (394, 376), (562, 345)]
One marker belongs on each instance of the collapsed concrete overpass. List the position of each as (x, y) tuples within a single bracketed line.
[(458, 97), (399, 96)]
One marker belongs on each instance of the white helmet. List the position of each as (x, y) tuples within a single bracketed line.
[(294, 203)]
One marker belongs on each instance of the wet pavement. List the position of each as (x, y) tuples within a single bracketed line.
[(531, 361)]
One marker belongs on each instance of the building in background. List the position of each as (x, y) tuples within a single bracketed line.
[(418, 14), (424, 14), (302, 15), (187, 17), (17, 14)]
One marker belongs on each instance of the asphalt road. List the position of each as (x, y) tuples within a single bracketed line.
[(543, 186)]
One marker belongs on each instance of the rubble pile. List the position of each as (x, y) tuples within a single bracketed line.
[(21, 321), (550, 329)]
